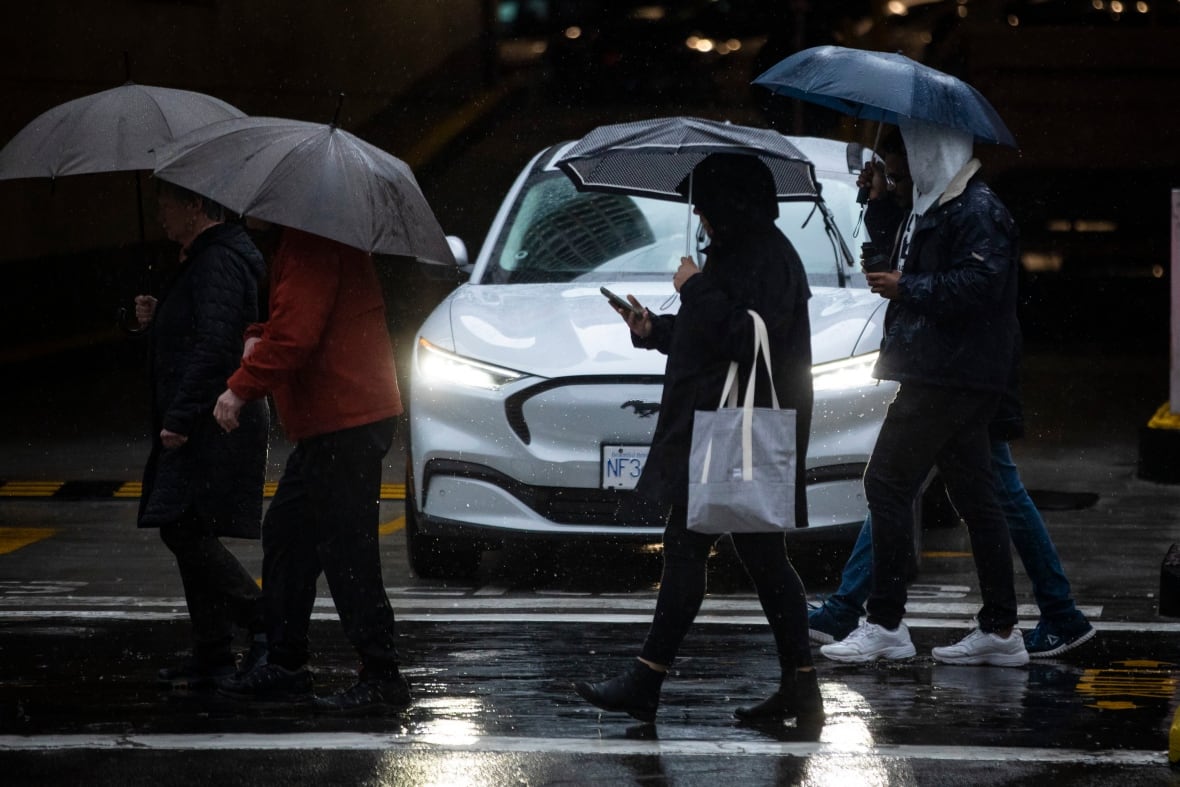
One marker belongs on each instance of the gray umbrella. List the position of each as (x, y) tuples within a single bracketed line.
[(311, 176), (110, 131), (113, 130)]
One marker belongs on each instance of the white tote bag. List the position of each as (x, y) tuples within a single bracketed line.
[(741, 470)]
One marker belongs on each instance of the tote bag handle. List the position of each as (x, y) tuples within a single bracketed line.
[(729, 396)]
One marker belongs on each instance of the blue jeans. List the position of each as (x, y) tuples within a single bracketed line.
[(1025, 527)]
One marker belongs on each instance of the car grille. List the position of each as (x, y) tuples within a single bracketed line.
[(596, 507), (514, 404)]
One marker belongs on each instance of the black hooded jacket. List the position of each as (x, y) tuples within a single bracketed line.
[(954, 321), (757, 269), (196, 343)]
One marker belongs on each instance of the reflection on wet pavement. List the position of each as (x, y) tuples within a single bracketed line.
[(493, 679)]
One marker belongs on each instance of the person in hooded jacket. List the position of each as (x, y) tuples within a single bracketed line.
[(950, 340), (200, 484), (750, 265), (1062, 626)]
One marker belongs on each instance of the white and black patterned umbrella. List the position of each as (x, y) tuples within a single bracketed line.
[(650, 158)]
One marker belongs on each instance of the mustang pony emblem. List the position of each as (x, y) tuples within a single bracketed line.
[(642, 409)]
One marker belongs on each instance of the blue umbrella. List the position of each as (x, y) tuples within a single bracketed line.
[(884, 86)]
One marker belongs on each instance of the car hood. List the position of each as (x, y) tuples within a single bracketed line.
[(552, 330)]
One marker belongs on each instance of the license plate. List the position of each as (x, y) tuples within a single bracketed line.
[(622, 465)]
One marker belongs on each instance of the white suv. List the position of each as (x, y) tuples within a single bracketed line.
[(530, 411)]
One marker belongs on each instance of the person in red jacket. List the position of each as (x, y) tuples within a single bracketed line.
[(326, 358)]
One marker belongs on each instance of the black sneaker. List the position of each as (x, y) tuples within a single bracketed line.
[(194, 675), (1051, 638), (368, 696), (270, 683), (253, 658)]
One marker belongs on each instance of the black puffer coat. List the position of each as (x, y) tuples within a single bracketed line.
[(954, 321), (758, 270), (196, 343)]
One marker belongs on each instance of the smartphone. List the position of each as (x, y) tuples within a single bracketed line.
[(878, 263), (622, 303)]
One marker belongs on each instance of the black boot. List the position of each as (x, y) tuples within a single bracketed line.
[(636, 691), (797, 698)]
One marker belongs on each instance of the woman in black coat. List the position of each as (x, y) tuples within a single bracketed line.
[(751, 266), (201, 483)]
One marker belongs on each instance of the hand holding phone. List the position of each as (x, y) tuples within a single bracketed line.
[(872, 261), (622, 303)]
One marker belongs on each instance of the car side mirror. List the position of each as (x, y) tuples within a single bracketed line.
[(439, 271), (458, 250)]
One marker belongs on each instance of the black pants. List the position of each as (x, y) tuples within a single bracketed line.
[(324, 519), (219, 592), (927, 426), (682, 589)]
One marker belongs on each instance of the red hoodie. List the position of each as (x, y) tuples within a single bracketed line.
[(324, 353)]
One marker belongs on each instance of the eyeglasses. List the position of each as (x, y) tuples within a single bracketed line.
[(893, 178)]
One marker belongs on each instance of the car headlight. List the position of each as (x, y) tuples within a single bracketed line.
[(437, 365), (847, 373)]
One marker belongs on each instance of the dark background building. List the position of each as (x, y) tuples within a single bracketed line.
[(1087, 87)]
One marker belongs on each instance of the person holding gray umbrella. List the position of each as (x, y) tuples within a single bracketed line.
[(198, 484), (326, 357)]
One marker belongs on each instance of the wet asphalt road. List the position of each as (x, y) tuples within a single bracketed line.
[(90, 608)]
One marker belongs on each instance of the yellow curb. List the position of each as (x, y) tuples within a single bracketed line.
[(13, 538), (1164, 418), (134, 489), (392, 526)]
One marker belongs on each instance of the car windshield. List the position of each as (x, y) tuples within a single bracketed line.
[(558, 234)]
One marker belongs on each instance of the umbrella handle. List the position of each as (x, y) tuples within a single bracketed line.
[(688, 221), (862, 196), (121, 320)]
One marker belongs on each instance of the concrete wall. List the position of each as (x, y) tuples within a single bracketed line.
[(288, 58)]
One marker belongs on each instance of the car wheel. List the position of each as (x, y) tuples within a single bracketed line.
[(432, 557)]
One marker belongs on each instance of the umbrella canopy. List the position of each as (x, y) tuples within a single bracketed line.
[(649, 158), (311, 176), (110, 131), (884, 86)]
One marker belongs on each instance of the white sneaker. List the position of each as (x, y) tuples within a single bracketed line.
[(870, 642), (980, 647)]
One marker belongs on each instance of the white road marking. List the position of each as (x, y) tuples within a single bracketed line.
[(447, 616), (490, 599), (359, 741)]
